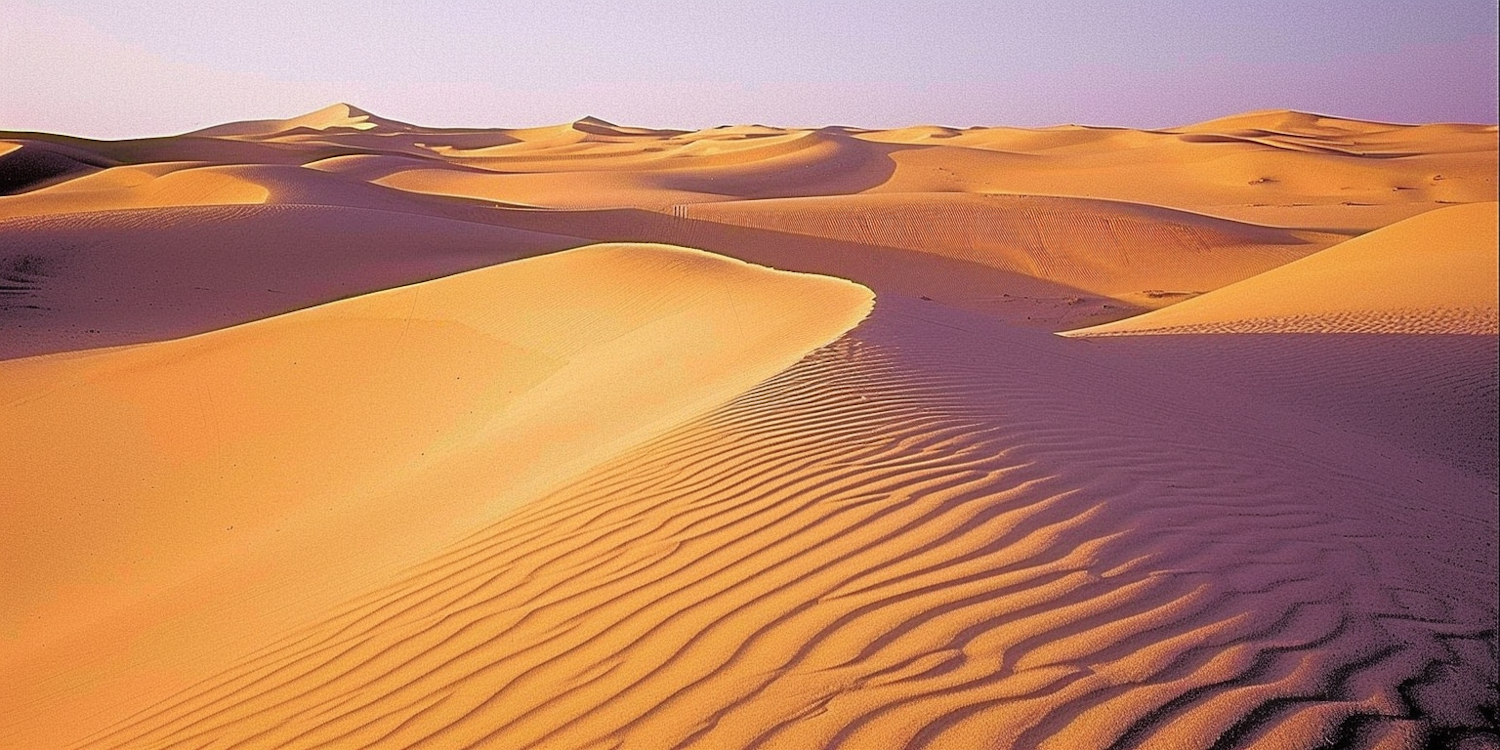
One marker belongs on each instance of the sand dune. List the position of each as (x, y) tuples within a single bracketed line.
[(1141, 254), (336, 431), (89, 280), (156, 185), (256, 446), (914, 539), (338, 116), (178, 184), (1283, 168), (1435, 273)]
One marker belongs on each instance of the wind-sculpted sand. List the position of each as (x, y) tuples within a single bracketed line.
[(163, 481), (913, 540), (338, 431)]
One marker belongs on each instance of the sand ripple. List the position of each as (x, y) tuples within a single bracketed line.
[(912, 540)]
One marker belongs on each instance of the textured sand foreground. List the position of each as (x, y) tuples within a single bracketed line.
[(341, 432)]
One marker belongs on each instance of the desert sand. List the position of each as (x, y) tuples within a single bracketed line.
[(338, 431)]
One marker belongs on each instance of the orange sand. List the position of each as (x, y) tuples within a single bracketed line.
[(1434, 273), (338, 432)]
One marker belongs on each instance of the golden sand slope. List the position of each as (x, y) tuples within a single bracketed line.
[(192, 495), (1435, 273), (1275, 167), (937, 532)]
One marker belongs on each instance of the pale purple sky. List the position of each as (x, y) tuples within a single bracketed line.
[(128, 68)]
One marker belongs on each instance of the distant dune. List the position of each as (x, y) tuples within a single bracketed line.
[(1435, 273), (340, 432)]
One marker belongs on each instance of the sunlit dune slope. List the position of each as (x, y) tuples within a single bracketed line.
[(1278, 167), (175, 502), (1435, 273), (937, 532)]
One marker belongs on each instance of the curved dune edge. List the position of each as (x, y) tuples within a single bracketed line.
[(916, 538), (183, 498), (1433, 273)]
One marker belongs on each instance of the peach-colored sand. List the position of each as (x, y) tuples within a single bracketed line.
[(1434, 273), (338, 432)]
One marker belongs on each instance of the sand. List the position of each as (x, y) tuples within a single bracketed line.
[(1434, 273), (337, 431)]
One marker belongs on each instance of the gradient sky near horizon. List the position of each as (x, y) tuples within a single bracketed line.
[(130, 68)]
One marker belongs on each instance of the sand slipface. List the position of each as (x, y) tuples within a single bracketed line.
[(336, 431)]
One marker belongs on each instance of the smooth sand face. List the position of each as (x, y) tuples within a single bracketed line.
[(339, 432), (1435, 273)]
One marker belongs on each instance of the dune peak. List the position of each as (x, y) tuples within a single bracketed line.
[(339, 115)]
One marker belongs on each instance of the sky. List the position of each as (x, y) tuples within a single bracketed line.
[(133, 68)]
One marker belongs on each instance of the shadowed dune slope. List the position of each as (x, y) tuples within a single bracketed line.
[(89, 280), (1426, 394), (28, 165), (937, 532), (1434, 273), (185, 498)]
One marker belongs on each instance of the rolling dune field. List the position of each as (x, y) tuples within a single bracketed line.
[(343, 432)]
